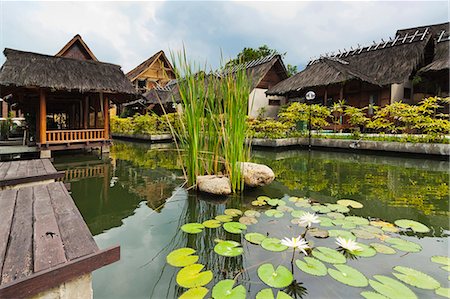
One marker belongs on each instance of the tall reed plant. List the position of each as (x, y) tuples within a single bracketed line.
[(214, 111)]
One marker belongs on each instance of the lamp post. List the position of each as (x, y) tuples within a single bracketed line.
[(310, 95)]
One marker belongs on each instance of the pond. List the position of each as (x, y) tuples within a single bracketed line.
[(136, 199)]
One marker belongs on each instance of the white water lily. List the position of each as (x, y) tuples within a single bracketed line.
[(298, 243), (348, 244), (307, 219)]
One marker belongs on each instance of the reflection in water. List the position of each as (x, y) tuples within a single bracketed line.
[(134, 199)]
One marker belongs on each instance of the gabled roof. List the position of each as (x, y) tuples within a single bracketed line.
[(27, 69), (77, 41), (134, 73)]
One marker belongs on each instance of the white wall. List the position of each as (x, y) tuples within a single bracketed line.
[(258, 100), (398, 91)]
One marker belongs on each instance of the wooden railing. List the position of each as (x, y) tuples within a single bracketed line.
[(73, 136)]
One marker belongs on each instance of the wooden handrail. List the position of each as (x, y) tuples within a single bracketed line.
[(74, 136)]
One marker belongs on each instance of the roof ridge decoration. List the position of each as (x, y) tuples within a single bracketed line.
[(443, 36), (398, 40)]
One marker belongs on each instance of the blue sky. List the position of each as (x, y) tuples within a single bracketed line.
[(126, 33)]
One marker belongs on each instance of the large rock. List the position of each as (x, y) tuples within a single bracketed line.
[(214, 184), (256, 175)]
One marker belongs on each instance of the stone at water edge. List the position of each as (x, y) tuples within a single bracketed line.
[(214, 184), (257, 175)]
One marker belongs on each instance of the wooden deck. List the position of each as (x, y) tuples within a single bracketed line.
[(27, 171), (44, 240)]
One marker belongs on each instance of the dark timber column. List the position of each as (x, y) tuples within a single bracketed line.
[(106, 115), (42, 117), (325, 97), (86, 112), (341, 92)]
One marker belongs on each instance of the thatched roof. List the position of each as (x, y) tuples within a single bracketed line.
[(384, 63), (441, 58), (134, 73), (77, 41), (166, 94), (26, 69), (435, 29)]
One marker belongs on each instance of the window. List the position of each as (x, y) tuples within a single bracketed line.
[(274, 102), (407, 93), (141, 84)]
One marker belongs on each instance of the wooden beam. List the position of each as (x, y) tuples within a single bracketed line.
[(55, 276), (32, 179), (42, 117), (341, 92), (105, 115), (86, 112)]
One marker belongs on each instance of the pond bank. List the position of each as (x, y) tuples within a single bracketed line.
[(436, 149), (144, 137)]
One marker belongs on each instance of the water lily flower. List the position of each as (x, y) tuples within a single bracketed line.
[(308, 218), (348, 244), (298, 243)]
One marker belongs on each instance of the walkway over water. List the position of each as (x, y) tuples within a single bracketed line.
[(44, 241)]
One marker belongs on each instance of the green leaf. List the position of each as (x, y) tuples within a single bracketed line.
[(224, 218), (232, 212), (366, 251), (192, 277), (381, 248), (298, 213), (404, 245), (446, 268), (391, 288), (349, 276), (312, 266), (274, 213), (192, 228), (263, 198), (252, 213), (338, 208), (258, 203), (350, 203), (363, 234), (248, 220), (234, 227), (336, 215), (439, 259), (357, 220), (224, 289), (372, 229), (444, 292), (286, 209), (325, 221), (321, 209), (303, 204), (414, 225), (341, 233), (329, 255), (213, 223), (228, 248), (255, 238), (416, 278), (318, 233), (268, 294), (275, 278), (195, 293), (372, 295), (297, 199), (273, 202), (273, 244), (182, 257)]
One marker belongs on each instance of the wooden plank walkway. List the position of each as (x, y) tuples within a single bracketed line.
[(44, 240), (27, 171)]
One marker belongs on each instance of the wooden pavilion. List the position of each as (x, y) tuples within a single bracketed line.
[(65, 100)]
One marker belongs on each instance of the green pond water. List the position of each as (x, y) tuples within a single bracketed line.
[(135, 199)]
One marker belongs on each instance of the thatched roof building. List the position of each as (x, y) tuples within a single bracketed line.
[(77, 48), (380, 64), (27, 69)]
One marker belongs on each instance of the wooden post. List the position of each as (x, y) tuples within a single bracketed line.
[(105, 115), (42, 118), (86, 112), (325, 97), (96, 112), (341, 92)]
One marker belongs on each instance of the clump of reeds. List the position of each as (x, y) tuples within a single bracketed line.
[(214, 111)]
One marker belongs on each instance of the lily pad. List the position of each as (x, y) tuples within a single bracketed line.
[(367, 251), (439, 259), (233, 212), (404, 245), (371, 229), (414, 225), (338, 208), (192, 277), (349, 276), (274, 213), (320, 209), (280, 277), (416, 278), (391, 288), (273, 202), (350, 203), (357, 220), (303, 204), (325, 221), (363, 234), (258, 203), (381, 248), (297, 199), (298, 213), (336, 215), (182, 257), (381, 224), (390, 229), (193, 228), (213, 223), (248, 220), (273, 244), (329, 255), (195, 293), (312, 266), (446, 268), (263, 198), (268, 294), (228, 248), (444, 292), (318, 233), (255, 238), (286, 209), (224, 218), (341, 233), (224, 289), (234, 227), (344, 223), (372, 295), (252, 213)]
